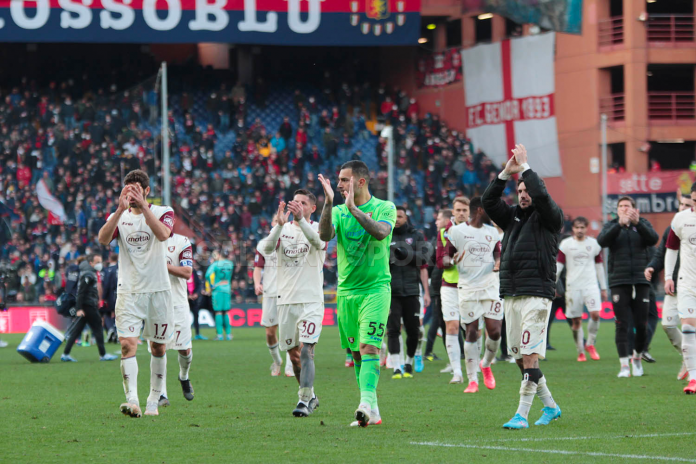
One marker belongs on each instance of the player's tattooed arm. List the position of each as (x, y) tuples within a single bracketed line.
[(379, 230), (326, 230)]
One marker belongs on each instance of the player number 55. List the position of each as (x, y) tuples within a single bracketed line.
[(374, 328)]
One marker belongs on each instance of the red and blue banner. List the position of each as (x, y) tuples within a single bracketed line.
[(278, 22), (654, 192)]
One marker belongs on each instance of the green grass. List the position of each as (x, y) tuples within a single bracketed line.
[(62, 412)]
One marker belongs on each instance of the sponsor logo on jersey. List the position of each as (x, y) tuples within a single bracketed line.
[(580, 257), (126, 223), (296, 250), (479, 249), (139, 238)]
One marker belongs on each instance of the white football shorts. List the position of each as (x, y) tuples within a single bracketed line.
[(181, 339), (299, 323), (269, 310), (686, 302), (152, 311), (526, 319), (449, 301), (576, 299)]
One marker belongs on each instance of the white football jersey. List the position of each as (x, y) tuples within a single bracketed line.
[(179, 253), (579, 258), (142, 262), (478, 245), (300, 267), (684, 229), (269, 264)]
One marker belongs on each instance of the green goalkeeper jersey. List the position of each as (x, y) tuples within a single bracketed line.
[(218, 272), (363, 261)]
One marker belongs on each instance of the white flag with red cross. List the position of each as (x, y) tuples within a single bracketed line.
[(509, 89)]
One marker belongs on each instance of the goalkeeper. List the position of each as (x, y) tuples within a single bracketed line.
[(217, 283)]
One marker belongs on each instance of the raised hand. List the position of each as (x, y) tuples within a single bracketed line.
[(296, 210), (136, 194), (350, 198), (124, 199), (328, 191), (634, 216), (520, 153), (513, 165), (282, 215)]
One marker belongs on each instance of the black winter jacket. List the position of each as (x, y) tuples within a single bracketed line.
[(434, 271), (110, 287), (658, 260), (87, 293), (530, 244), (408, 254), (628, 251)]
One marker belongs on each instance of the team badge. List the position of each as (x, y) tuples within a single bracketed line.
[(691, 310), (471, 314), (168, 221), (514, 349), (377, 9), (389, 27), (452, 313), (171, 249), (409, 241), (588, 247), (351, 340), (354, 19), (288, 341), (615, 298), (489, 238), (369, 213)]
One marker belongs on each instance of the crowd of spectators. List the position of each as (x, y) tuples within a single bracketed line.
[(228, 172)]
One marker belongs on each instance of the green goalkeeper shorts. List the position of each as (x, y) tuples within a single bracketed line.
[(363, 319), (221, 301)]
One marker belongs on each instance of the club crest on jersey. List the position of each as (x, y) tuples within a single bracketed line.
[(489, 238), (369, 214), (615, 298), (187, 254), (409, 241), (168, 221), (171, 249), (691, 310), (588, 247)]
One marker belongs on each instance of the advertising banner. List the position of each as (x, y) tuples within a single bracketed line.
[(654, 192), (275, 22), (438, 69)]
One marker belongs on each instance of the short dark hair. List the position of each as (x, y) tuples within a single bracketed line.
[(447, 213), (401, 208), (360, 169), (113, 257), (693, 187), (582, 220), (307, 193), (627, 198), (475, 203), (137, 176), (92, 256)]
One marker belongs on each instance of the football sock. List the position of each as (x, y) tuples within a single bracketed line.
[(579, 343), (527, 391), (592, 330), (491, 350), (185, 365), (275, 354), (218, 324), (401, 351), (624, 361), (421, 338), (129, 370), (689, 349), (675, 336), (349, 357), (544, 393), (479, 345), (226, 323), (369, 377), (471, 359), (158, 374), (409, 360), (395, 359), (305, 395), (288, 364), (454, 353), (357, 365)]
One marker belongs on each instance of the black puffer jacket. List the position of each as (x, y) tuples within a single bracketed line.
[(628, 251), (530, 244), (658, 260), (409, 253), (87, 293)]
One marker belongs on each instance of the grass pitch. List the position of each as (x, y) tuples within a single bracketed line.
[(68, 412)]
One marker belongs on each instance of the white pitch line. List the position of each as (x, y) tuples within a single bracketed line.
[(649, 435), (581, 453)]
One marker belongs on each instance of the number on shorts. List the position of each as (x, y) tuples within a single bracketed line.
[(525, 337), (374, 328), (495, 306), (178, 332), (164, 329), (308, 329)]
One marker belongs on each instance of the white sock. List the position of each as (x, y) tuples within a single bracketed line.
[(401, 351), (675, 336), (592, 330), (689, 349), (306, 394), (624, 362), (544, 393), (288, 364), (479, 345), (394, 360), (471, 360), (158, 376), (129, 370), (527, 392), (419, 348), (409, 360), (579, 344), (275, 354), (491, 350), (453, 351), (185, 365)]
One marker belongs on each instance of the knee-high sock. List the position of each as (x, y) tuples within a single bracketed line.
[(689, 349), (579, 342), (527, 391), (479, 345), (471, 355), (491, 350), (675, 337), (218, 324), (288, 365), (369, 378), (357, 365), (421, 338), (544, 393), (307, 373), (592, 330), (454, 353), (395, 361), (401, 351), (275, 353), (129, 371), (226, 323), (158, 375), (185, 365)]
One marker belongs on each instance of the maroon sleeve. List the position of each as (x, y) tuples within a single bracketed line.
[(259, 260), (168, 220), (186, 253), (561, 257), (598, 258), (673, 241)]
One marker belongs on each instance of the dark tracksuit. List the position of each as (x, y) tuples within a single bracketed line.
[(193, 303), (109, 288), (87, 301)]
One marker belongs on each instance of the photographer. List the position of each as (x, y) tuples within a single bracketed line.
[(409, 270), (87, 306)]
